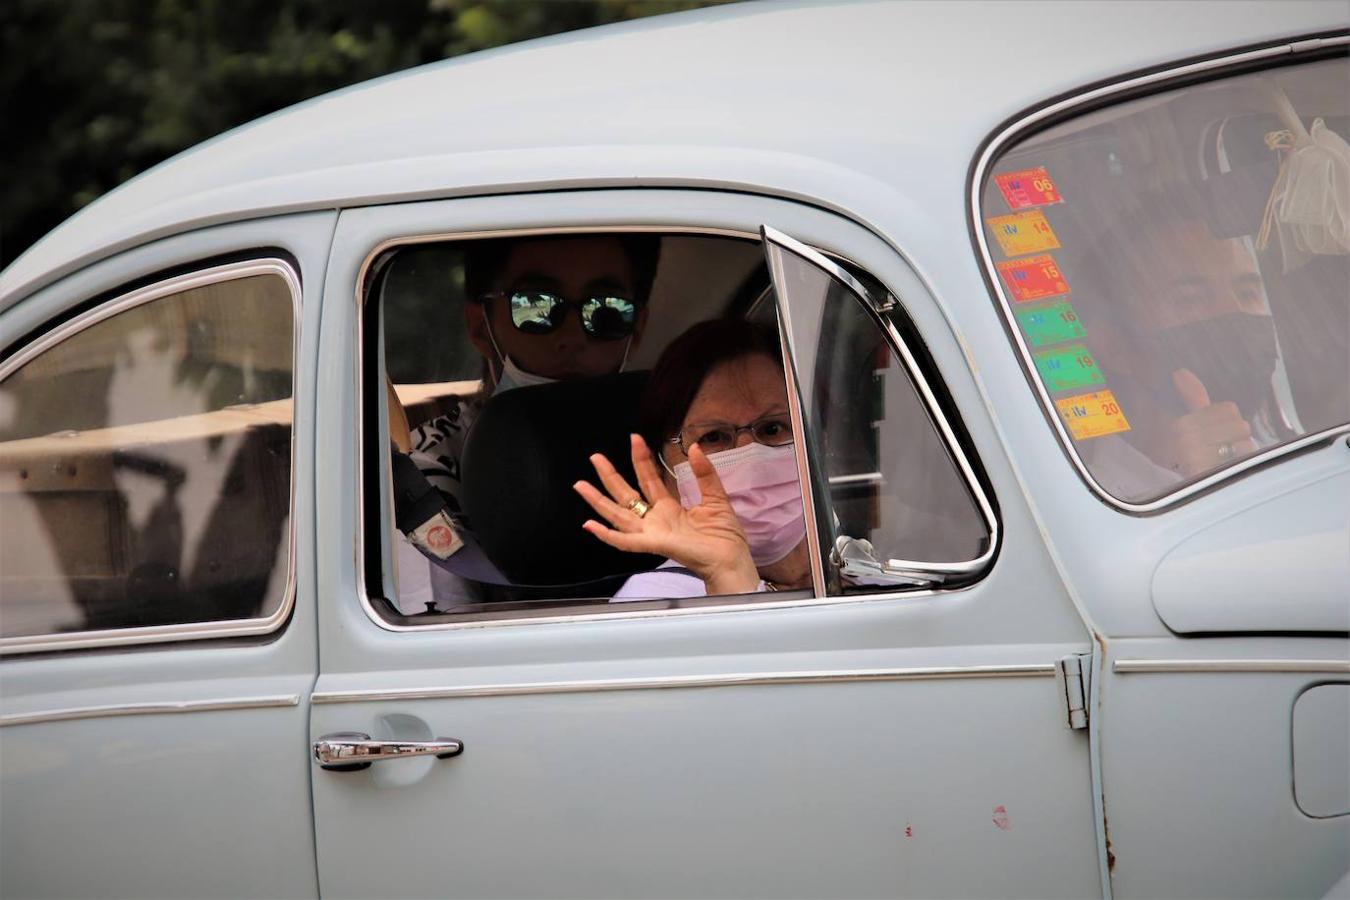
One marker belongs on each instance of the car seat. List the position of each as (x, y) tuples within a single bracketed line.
[(526, 449)]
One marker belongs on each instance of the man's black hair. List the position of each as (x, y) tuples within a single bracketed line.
[(484, 260)]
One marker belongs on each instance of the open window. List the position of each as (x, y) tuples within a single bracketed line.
[(496, 365), (514, 358)]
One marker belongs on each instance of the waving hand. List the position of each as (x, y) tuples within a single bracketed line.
[(707, 539)]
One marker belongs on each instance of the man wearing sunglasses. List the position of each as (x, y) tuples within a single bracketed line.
[(538, 310), (553, 308)]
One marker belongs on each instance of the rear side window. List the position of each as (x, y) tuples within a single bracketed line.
[(145, 461), (1175, 269)]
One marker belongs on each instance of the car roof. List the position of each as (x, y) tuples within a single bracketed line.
[(873, 108)]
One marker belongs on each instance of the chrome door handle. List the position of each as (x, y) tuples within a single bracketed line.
[(350, 751)]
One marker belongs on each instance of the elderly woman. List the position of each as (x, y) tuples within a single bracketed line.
[(724, 504)]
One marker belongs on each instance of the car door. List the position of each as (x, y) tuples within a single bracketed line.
[(156, 595), (897, 730)]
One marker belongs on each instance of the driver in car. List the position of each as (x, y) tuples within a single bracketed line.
[(538, 310), (1189, 347)]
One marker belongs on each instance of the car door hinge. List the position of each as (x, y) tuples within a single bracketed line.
[(1073, 674)]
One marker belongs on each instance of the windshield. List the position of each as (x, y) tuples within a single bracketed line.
[(1176, 267)]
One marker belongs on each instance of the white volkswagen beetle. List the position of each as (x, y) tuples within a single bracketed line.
[(1061, 295)]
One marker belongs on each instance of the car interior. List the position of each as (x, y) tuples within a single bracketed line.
[(528, 445)]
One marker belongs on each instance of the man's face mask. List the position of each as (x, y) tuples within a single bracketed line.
[(1233, 355), (513, 376)]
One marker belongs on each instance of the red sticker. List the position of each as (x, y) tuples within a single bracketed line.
[(1033, 278), (1028, 188), (440, 537), (1001, 818)]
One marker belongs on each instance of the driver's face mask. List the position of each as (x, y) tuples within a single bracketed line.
[(1233, 355)]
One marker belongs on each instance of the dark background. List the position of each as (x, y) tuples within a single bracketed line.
[(93, 92)]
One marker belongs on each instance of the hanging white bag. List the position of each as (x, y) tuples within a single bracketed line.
[(1309, 205)]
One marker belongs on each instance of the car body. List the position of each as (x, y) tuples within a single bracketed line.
[(1117, 695)]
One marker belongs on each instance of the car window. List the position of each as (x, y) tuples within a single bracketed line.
[(145, 460), (1175, 267), (504, 405), (513, 360)]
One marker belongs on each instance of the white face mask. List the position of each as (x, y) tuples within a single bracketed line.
[(513, 376), (765, 493)]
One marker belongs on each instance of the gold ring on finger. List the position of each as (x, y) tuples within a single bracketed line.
[(638, 506)]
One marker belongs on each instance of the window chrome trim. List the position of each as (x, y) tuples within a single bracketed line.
[(148, 709), (1141, 666), (191, 631), (671, 682), (740, 606), (800, 448), (1003, 139), (912, 368), (615, 612)]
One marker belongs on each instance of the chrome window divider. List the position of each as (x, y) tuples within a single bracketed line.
[(936, 417)]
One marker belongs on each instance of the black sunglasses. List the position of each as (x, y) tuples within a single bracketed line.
[(606, 316)]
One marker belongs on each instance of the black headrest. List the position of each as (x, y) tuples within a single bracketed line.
[(523, 454)]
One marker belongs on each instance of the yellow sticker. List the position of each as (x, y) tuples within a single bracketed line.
[(1024, 232), (1092, 415)]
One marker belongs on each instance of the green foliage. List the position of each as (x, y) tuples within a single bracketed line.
[(94, 91)]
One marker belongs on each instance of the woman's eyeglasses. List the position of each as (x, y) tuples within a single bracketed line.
[(714, 437), (605, 316)]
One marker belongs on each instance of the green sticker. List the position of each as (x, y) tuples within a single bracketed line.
[(1068, 367), (1051, 324)]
